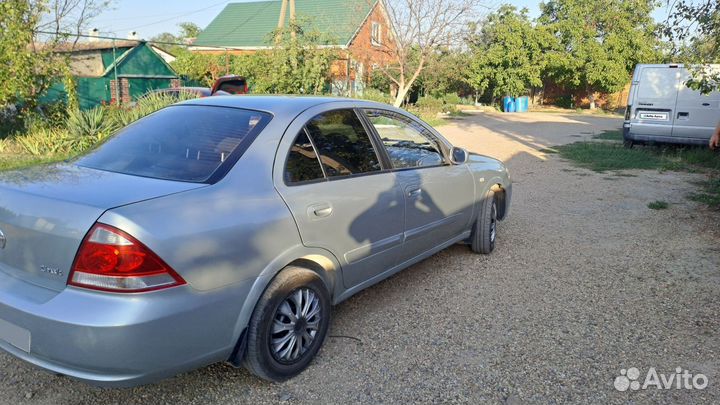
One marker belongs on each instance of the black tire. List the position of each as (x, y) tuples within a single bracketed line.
[(484, 231), (627, 143), (261, 357)]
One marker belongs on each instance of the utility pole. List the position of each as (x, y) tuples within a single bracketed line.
[(283, 13)]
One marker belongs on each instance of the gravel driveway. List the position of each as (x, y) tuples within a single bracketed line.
[(585, 281)]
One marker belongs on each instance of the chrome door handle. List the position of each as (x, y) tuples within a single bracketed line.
[(415, 193), (323, 212)]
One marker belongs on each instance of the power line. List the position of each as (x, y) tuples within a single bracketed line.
[(176, 17), (72, 34)]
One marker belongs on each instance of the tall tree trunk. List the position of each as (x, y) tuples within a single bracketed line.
[(401, 94), (404, 87)]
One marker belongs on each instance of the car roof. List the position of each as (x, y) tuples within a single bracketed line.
[(274, 104)]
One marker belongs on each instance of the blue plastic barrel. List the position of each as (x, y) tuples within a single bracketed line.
[(508, 104), (522, 104)]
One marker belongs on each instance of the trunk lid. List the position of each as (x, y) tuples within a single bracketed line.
[(45, 213)]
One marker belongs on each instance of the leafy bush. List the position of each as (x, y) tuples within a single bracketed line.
[(47, 140), (92, 124), (376, 95), (430, 103), (452, 99)]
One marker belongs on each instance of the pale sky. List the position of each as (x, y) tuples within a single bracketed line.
[(151, 17)]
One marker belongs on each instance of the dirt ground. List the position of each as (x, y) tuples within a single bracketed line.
[(585, 281)]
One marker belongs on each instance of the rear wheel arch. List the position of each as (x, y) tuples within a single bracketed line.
[(326, 268), (251, 350)]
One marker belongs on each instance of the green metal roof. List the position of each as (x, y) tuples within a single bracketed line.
[(248, 25)]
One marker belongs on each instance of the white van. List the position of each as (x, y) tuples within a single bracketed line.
[(661, 108)]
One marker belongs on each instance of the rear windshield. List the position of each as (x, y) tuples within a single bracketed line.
[(183, 143)]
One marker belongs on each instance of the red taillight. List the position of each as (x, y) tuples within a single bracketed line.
[(111, 260)]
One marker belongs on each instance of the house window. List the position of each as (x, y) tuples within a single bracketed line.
[(376, 35)]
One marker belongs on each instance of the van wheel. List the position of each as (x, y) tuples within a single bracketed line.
[(628, 143), (484, 231), (288, 326)]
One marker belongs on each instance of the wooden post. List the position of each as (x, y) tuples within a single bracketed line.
[(292, 18), (283, 11)]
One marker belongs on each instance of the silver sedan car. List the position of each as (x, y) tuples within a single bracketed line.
[(223, 229)]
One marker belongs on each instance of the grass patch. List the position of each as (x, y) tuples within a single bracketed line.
[(710, 194), (609, 136), (605, 156), (601, 156), (658, 205)]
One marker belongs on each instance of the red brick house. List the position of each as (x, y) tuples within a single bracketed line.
[(360, 30)]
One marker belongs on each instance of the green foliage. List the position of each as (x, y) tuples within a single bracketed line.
[(376, 95), (25, 71), (658, 205), (43, 140), (709, 193), (604, 156), (445, 73), (380, 81), (599, 43), (508, 54), (693, 26), (296, 64), (452, 99)]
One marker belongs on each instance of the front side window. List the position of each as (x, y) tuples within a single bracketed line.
[(302, 163), (182, 143), (343, 144), (407, 142)]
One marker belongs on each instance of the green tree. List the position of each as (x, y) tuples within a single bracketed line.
[(296, 64), (600, 42), (693, 28), (445, 73), (189, 30), (508, 53), (26, 70)]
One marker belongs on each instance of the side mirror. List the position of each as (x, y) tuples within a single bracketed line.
[(458, 156)]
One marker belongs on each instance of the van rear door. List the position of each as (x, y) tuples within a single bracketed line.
[(654, 106), (697, 114)]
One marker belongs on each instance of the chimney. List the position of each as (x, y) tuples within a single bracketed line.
[(133, 35), (94, 34)]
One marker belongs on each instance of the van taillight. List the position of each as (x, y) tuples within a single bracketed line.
[(111, 260), (628, 112)]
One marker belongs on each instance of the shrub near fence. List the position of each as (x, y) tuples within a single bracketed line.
[(45, 140)]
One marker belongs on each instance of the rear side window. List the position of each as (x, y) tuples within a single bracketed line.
[(182, 143), (302, 163), (343, 144)]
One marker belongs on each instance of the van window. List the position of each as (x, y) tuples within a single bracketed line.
[(658, 83), (689, 95)]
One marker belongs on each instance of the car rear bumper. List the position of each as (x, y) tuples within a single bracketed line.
[(118, 340)]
